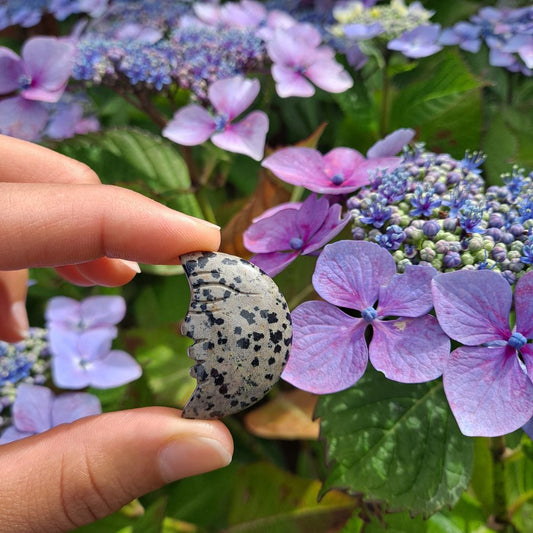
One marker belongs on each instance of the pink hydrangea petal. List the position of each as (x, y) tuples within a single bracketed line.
[(349, 273), (32, 408), (391, 144), (273, 263), (191, 125), (244, 15), (114, 370), (292, 47), (329, 351), (331, 227), (473, 306), (342, 161), (272, 234), (74, 405), (407, 294), (488, 391), (234, 95), (49, 62), (311, 216), (277, 209), (329, 76), (409, 350), (290, 82), (298, 166), (11, 68), (523, 301), (11, 434), (246, 136), (22, 118), (102, 310)]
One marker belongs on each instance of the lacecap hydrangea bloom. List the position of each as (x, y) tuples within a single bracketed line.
[(488, 380), (330, 349)]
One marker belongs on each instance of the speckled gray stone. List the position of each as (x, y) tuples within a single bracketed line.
[(241, 326)]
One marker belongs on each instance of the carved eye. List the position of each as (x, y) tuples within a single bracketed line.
[(241, 326)]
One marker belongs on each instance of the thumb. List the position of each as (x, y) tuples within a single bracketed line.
[(77, 473)]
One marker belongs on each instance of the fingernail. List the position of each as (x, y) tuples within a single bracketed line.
[(189, 456), (209, 224), (132, 265), (18, 312)]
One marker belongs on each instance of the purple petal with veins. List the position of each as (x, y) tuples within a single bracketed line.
[(473, 307), (32, 408), (232, 96), (329, 351), (272, 234), (391, 144), (246, 136), (311, 216), (349, 273), (409, 350), (523, 297), (191, 125), (331, 227), (488, 391), (21, 118), (11, 70), (274, 262)]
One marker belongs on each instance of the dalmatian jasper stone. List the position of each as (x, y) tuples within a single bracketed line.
[(242, 330)]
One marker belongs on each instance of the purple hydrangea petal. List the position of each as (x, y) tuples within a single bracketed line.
[(191, 125), (407, 294), (294, 46), (74, 405), (331, 227), (272, 234), (329, 351), (11, 68), (299, 166), (391, 144), (68, 373), (95, 343), (523, 297), (419, 42), (329, 75), (22, 118), (488, 391), (277, 209), (362, 32), (349, 273), (273, 263), (409, 350), (473, 306), (62, 311), (527, 428), (32, 408), (343, 161), (233, 95), (246, 136), (99, 311), (498, 58), (114, 370), (311, 216), (11, 434), (290, 82), (527, 356), (49, 62)]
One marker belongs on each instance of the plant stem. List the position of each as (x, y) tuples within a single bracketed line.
[(205, 205), (499, 489), (385, 100)]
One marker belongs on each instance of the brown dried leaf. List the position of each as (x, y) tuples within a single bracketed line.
[(288, 416)]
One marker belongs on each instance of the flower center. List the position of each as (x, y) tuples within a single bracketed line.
[(337, 179), (369, 314), (516, 340), (24, 82), (221, 121), (296, 243)]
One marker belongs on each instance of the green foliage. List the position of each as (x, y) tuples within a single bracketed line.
[(395, 443)]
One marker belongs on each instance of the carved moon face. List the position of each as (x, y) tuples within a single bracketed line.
[(241, 326)]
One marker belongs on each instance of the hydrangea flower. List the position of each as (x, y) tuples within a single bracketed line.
[(289, 232), (39, 75), (193, 125), (85, 359), (488, 380), (36, 409), (298, 59), (93, 312), (340, 171), (330, 350), (420, 42)]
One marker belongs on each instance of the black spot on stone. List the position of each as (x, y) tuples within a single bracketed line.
[(250, 317), (287, 341), (277, 348), (223, 389), (222, 340), (271, 360), (214, 372), (222, 281), (208, 345), (257, 347), (237, 279), (226, 294), (215, 274), (270, 377), (233, 403), (255, 361), (258, 336), (219, 321), (200, 372), (229, 261), (276, 336), (243, 343), (272, 318), (253, 399), (237, 330), (209, 406), (219, 379)]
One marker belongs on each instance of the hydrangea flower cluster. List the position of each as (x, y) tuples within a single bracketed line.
[(434, 210), (507, 33)]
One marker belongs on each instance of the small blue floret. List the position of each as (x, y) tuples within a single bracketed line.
[(369, 314), (516, 340), (296, 243)]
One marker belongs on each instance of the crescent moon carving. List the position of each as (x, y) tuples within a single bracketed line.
[(242, 329)]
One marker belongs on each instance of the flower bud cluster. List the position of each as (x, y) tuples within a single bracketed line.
[(22, 362), (434, 209)]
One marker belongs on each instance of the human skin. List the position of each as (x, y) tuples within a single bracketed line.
[(56, 213)]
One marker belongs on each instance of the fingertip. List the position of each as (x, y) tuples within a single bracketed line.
[(108, 272)]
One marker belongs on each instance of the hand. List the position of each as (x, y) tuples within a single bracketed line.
[(55, 212)]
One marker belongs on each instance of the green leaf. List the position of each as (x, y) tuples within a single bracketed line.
[(270, 500), (152, 520), (395, 442), (139, 160)]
